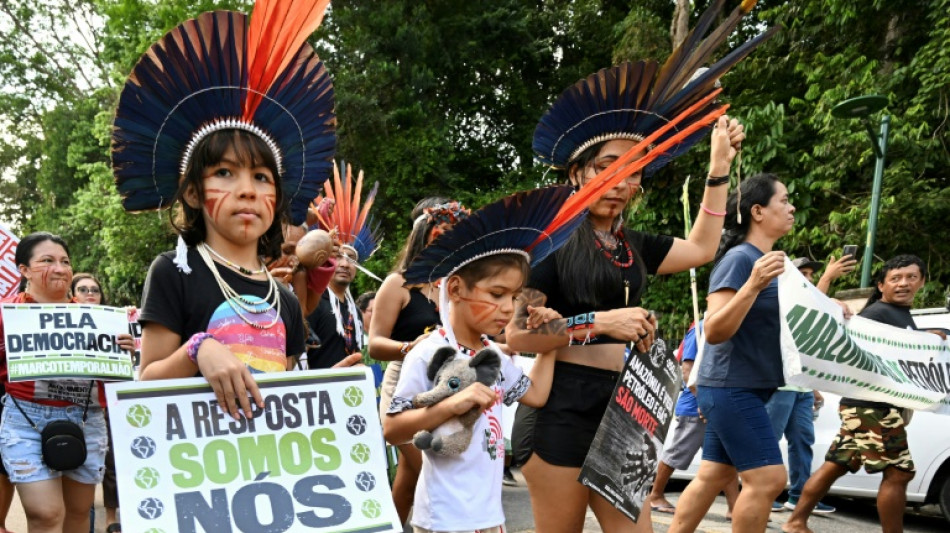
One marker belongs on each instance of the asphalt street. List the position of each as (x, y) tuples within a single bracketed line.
[(852, 515)]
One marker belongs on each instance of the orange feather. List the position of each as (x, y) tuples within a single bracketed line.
[(626, 166), (271, 46)]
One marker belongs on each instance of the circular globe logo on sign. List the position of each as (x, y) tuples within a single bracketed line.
[(151, 508), (352, 396), (371, 509), (147, 477), (356, 425), (143, 447), (360, 453), (138, 415), (365, 481)]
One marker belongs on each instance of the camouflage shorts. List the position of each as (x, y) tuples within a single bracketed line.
[(873, 437)]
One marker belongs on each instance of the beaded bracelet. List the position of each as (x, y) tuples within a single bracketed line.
[(716, 181), (578, 322), (194, 343)]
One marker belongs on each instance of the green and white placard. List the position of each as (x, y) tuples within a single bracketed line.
[(311, 459)]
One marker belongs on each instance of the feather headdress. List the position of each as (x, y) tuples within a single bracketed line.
[(223, 71), (633, 100), (339, 209), (520, 224)]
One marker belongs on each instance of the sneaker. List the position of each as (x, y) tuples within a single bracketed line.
[(777, 507), (509, 478), (790, 504), (823, 508)]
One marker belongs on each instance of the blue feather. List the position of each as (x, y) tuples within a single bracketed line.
[(510, 224), (197, 74)]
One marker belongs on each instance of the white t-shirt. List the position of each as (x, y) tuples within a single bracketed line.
[(463, 492)]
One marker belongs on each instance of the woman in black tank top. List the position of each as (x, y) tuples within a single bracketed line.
[(402, 317)]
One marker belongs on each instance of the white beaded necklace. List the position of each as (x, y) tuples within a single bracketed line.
[(238, 303)]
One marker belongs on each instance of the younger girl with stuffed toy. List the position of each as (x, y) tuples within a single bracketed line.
[(483, 265)]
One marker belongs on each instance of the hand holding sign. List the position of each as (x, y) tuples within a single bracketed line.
[(229, 378), (767, 268)]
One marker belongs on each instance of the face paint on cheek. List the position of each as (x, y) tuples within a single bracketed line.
[(214, 199), (270, 203), (480, 308)]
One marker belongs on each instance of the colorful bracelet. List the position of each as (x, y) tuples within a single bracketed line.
[(716, 181), (404, 349), (194, 343), (709, 211)]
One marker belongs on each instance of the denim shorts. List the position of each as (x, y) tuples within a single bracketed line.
[(738, 429), (22, 452)]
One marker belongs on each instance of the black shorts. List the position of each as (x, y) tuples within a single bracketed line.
[(566, 425)]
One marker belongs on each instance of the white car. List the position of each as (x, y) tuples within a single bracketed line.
[(928, 435)]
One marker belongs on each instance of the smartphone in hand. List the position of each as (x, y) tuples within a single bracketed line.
[(850, 249)]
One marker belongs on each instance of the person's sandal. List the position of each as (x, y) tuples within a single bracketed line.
[(114, 527)]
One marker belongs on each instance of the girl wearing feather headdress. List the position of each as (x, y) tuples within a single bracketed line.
[(615, 119), (233, 124), (482, 263), (404, 317)]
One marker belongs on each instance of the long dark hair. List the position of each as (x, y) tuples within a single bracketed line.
[(580, 254), (250, 150), (24, 250), (898, 261), (85, 275), (757, 190)]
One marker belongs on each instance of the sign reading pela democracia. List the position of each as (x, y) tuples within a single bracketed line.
[(311, 459), (62, 341)]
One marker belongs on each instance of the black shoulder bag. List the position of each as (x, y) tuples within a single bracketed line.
[(64, 444)]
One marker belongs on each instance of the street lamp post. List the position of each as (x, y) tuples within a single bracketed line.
[(862, 107)]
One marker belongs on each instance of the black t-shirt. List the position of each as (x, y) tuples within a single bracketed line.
[(191, 303), (890, 314), (419, 316), (647, 248), (333, 346)]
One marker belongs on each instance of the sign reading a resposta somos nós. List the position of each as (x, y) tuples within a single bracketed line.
[(311, 459)]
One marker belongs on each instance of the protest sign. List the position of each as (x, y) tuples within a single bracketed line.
[(9, 273), (623, 458), (135, 328), (862, 358), (311, 459), (64, 341)]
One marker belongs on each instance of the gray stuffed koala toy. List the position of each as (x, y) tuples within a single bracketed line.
[(451, 375)]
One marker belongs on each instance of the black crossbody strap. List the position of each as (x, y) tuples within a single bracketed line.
[(85, 410)]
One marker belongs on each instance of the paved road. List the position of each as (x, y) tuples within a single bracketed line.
[(852, 516)]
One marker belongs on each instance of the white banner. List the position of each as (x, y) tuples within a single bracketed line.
[(860, 358), (61, 341), (9, 273), (311, 459)]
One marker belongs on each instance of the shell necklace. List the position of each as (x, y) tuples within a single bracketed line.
[(239, 304)]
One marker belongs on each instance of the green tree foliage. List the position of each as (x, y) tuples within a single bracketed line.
[(442, 97)]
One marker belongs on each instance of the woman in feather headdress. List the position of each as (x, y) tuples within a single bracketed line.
[(601, 124)]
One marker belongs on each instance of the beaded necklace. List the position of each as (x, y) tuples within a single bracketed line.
[(239, 304), (239, 268), (620, 248), (464, 350)]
